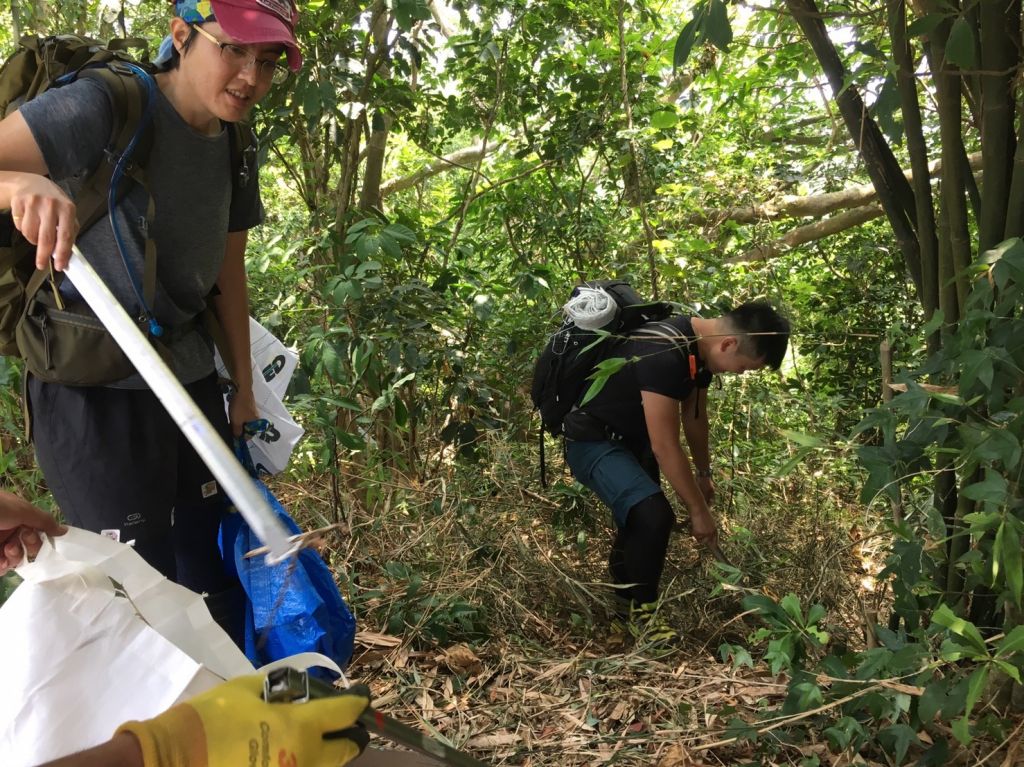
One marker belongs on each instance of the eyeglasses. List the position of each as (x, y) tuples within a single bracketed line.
[(240, 58)]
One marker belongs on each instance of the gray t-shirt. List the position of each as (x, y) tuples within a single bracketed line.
[(189, 176)]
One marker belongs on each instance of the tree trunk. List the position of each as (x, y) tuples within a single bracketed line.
[(373, 171), (894, 192), (999, 22), (15, 24), (954, 204), (910, 107)]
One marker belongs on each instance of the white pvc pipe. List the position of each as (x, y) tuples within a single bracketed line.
[(194, 425)]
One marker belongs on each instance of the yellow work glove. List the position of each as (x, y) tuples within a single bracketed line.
[(232, 726)]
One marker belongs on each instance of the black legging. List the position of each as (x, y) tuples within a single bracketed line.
[(638, 553)]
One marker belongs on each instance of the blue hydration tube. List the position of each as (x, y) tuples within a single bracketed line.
[(120, 167)]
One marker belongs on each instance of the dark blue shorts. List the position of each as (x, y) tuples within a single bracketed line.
[(115, 461), (613, 472)]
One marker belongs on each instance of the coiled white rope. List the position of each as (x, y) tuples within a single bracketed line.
[(591, 308)]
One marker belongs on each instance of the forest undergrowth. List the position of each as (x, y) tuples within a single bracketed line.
[(485, 615)]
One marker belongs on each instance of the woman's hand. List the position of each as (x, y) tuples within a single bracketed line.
[(46, 217), (241, 410)]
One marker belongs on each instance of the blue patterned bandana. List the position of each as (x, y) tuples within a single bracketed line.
[(194, 11)]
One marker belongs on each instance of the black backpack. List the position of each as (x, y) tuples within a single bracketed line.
[(560, 375)]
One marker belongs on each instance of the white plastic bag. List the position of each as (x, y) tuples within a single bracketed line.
[(272, 367), (95, 637)]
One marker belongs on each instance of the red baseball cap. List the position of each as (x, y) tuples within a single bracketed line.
[(261, 21)]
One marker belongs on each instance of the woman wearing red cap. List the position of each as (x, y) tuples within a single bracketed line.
[(112, 457)]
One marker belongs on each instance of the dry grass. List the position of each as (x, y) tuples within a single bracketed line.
[(485, 618)]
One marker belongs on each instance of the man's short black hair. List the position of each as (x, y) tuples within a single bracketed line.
[(763, 332)]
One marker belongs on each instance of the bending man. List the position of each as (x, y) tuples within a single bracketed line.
[(619, 442)]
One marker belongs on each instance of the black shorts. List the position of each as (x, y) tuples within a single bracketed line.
[(117, 464)]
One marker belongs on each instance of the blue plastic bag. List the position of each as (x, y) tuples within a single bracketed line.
[(293, 606)]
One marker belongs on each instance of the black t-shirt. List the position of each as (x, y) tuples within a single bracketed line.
[(658, 357)]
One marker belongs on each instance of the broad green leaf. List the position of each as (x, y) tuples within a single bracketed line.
[(332, 363), (791, 604), (931, 700), (717, 29), (687, 38), (960, 45), (982, 521), (1010, 670), (805, 440), (992, 489), (815, 614), (382, 402), (976, 365), (1011, 643), (938, 317), (1009, 557), (793, 461), (924, 25), (664, 119), (401, 413), (975, 687), (945, 617), (602, 372), (403, 380), (351, 441), (900, 737), (359, 226), (962, 730)]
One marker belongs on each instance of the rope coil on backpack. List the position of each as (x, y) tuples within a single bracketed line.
[(591, 308)]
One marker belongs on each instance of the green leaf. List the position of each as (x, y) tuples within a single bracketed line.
[(960, 45), (976, 365), (805, 440), (975, 686), (359, 226), (899, 737), (992, 489), (815, 614), (925, 25), (717, 29), (332, 362), (945, 617), (1011, 643), (931, 700), (602, 372), (793, 462), (791, 604), (687, 38), (938, 317), (962, 730), (664, 119), (1009, 556), (401, 413)]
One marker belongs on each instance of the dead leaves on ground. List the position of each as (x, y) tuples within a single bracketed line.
[(590, 709)]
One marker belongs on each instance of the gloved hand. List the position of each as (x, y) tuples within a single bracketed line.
[(232, 726)]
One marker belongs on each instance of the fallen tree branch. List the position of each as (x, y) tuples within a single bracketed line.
[(464, 159), (797, 206), (809, 233)]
